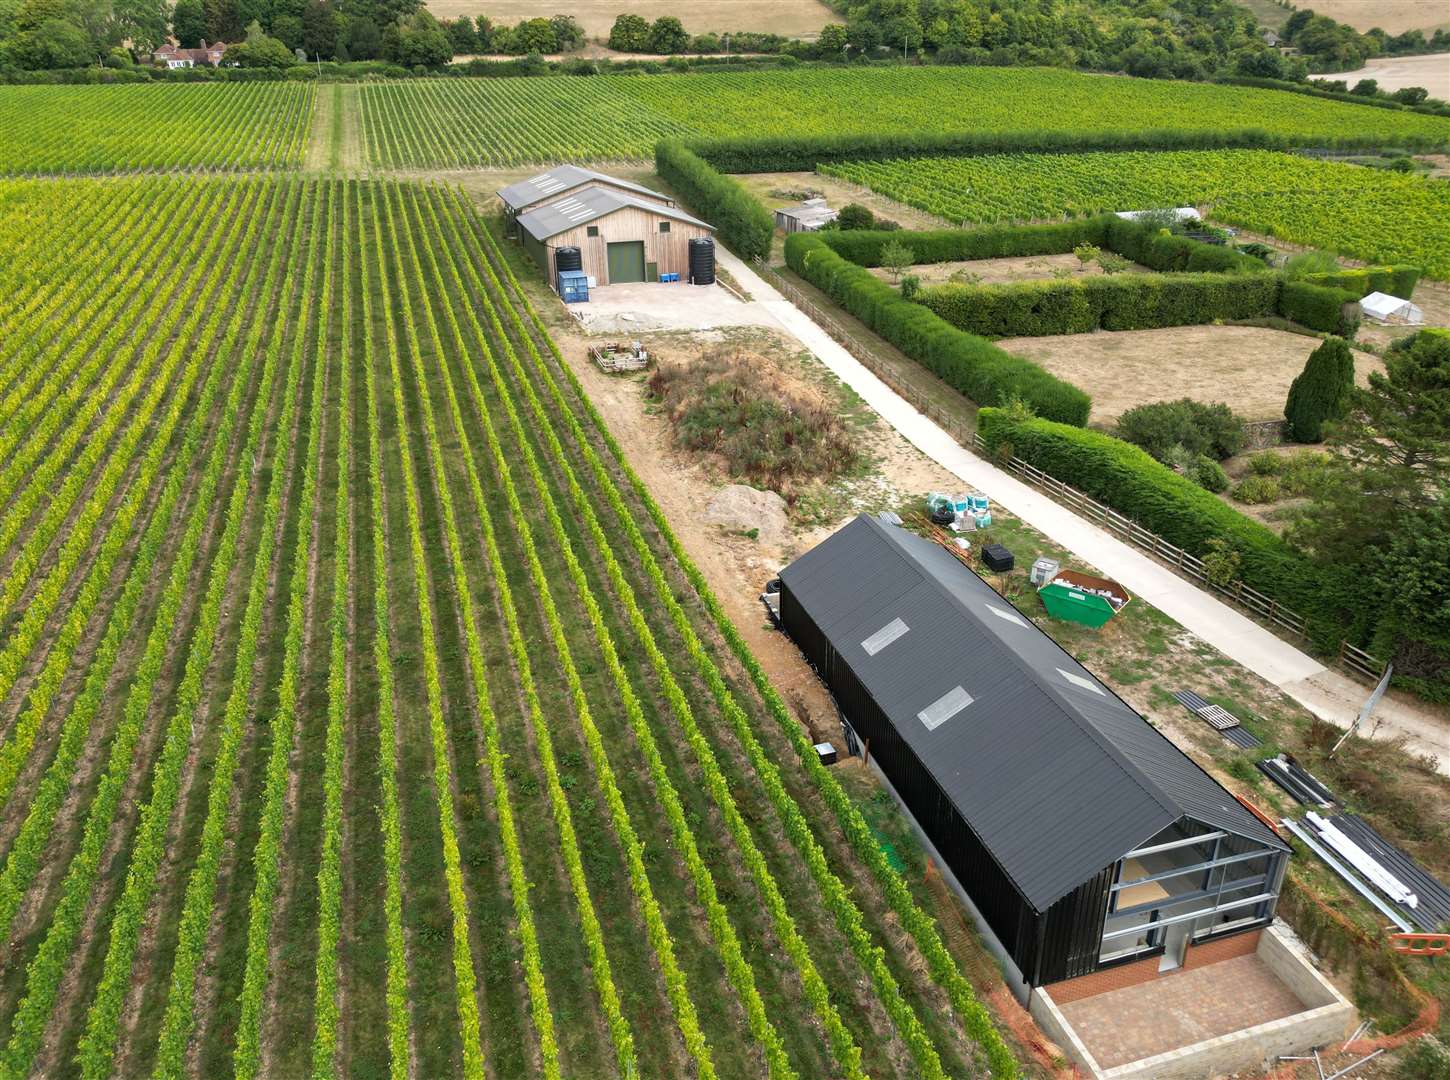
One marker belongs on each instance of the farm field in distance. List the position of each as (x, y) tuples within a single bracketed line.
[(1367, 213), (359, 717), (790, 18), (497, 123), (97, 129)]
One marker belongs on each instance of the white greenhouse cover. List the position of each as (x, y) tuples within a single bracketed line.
[(1180, 213), (1384, 307)]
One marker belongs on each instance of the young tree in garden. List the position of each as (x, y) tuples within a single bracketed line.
[(630, 34), (188, 23), (896, 259), (1321, 391), (1394, 459)]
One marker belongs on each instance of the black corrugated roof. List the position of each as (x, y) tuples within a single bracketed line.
[(1056, 774)]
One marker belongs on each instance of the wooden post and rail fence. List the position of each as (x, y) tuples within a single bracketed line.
[(1350, 657)]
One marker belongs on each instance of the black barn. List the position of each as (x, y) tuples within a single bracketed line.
[(1083, 837)]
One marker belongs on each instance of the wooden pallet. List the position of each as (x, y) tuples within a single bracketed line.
[(613, 358)]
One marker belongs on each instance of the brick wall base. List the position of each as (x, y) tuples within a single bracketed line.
[(1141, 971)]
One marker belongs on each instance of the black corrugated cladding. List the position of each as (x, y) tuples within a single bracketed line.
[(1029, 776)]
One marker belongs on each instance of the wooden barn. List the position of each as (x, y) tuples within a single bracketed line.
[(620, 237), (560, 183)]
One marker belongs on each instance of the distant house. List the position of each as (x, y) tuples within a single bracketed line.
[(809, 216), (174, 56), (1271, 39)]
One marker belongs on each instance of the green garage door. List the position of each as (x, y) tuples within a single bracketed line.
[(626, 262)]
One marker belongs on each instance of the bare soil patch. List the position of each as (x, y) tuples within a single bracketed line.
[(1397, 72), (792, 18), (1248, 367), (1010, 271)]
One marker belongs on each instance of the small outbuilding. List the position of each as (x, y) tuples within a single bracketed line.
[(1384, 308), (619, 237), (560, 183), (809, 216), (1081, 837)]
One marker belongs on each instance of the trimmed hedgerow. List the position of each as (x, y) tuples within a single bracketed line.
[(980, 370), (743, 223), (1319, 307), (1398, 280), (863, 247), (1126, 302), (1173, 506)]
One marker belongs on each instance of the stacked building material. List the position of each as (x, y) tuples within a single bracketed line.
[(1296, 780)]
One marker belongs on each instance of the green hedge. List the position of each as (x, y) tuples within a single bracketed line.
[(1151, 247), (1127, 479), (743, 224), (1396, 280), (1120, 302), (1143, 244), (1319, 307), (977, 368), (796, 153), (863, 247)]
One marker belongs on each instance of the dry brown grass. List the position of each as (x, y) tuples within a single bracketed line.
[(1247, 367)]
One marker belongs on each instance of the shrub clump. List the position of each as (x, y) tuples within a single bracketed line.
[(1321, 391), (1183, 426), (766, 430), (1258, 490)]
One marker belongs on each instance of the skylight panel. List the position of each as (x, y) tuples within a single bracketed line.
[(884, 637), (1078, 680), (1005, 613), (944, 708)]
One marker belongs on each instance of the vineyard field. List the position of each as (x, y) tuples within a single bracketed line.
[(359, 713), (455, 123), (1366, 213), (104, 129)]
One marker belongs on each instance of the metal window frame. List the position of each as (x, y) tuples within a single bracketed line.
[(1201, 838), (1206, 866), (1196, 894), (1259, 898)]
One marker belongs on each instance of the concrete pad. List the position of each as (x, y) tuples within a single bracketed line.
[(644, 307)]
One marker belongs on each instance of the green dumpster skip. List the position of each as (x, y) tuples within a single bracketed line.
[(1082, 598)]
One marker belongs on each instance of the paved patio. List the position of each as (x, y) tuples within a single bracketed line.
[(1177, 1010)]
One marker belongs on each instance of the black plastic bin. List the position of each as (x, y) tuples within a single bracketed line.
[(997, 559)]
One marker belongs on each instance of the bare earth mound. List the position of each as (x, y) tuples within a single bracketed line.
[(1248, 367), (791, 18)]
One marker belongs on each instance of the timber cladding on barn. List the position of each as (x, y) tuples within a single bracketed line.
[(665, 240)]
